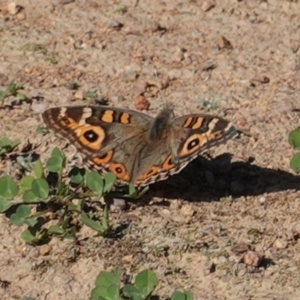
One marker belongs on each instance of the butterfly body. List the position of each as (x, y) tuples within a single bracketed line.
[(134, 146)]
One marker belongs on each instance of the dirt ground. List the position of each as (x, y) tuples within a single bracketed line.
[(242, 58)]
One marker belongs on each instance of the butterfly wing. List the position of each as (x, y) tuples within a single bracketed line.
[(185, 138), (196, 133), (105, 136)]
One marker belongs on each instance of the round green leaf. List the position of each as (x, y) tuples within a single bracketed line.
[(8, 188), (106, 278), (30, 196), (189, 295), (57, 153), (133, 292), (94, 181), (295, 163), (4, 204), (77, 175), (25, 183), (106, 293), (28, 237), (16, 220), (4, 142), (294, 138), (56, 162), (146, 281), (177, 295), (41, 188), (23, 211)]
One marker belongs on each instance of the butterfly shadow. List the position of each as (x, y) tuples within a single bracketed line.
[(210, 180)]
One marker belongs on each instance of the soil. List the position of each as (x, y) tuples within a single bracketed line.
[(236, 59)]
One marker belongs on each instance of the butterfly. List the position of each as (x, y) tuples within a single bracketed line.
[(136, 147)]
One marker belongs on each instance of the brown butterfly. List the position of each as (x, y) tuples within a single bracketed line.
[(137, 148)]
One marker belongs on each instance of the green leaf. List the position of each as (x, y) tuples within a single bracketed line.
[(40, 188), (21, 96), (295, 163), (294, 138), (7, 146), (30, 196), (92, 224), (40, 236), (177, 295), (41, 129), (105, 219), (134, 193), (106, 293), (76, 208), (118, 271), (4, 142), (109, 181), (19, 217), (8, 188), (4, 204), (77, 175), (38, 169), (3, 95), (25, 183), (94, 182), (12, 88), (55, 229), (31, 222), (28, 298), (105, 279), (16, 219), (90, 94), (23, 211), (56, 162), (189, 295), (28, 237), (133, 292), (15, 143), (146, 281)]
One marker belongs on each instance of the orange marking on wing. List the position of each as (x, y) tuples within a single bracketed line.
[(85, 131), (168, 164), (188, 122), (125, 118), (104, 159), (153, 171), (120, 171), (198, 123), (108, 116), (68, 122), (192, 144)]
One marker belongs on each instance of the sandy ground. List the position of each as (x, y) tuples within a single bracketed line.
[(240, 56)]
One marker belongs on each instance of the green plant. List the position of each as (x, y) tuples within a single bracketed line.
[(47, 193), (93, 96), (6, 145), (12, 89), (294, 141), (208, 105), (50, 58), (108, 287)]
